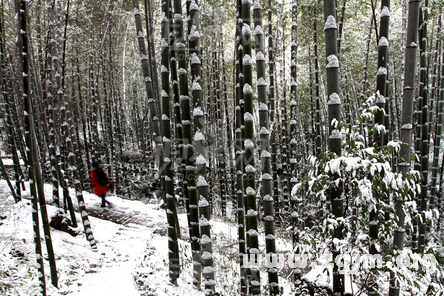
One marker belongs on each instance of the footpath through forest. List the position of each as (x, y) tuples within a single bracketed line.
[(132, 256), (131, 240)]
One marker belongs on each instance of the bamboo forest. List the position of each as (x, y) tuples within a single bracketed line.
[(253, 147)]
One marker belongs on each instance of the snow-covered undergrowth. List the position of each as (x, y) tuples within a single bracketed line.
[(113, 270), (365, 182), (16, 254), (226, 264), (18, 272), (132, 259)]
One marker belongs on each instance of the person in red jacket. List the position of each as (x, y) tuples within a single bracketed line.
[(100, 182)]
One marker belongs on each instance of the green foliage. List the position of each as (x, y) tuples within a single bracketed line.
[(141, 187), (367, 182)]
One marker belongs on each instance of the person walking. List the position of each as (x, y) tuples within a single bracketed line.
[(100, 181)]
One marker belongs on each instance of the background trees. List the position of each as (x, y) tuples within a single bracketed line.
[(90, 100)]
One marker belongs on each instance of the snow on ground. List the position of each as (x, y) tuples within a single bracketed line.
[(121, 249), (131, 253), (82, 271)]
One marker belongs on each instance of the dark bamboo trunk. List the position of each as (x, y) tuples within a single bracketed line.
[(404, 164), (334, 117)]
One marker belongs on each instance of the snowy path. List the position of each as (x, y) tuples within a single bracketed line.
[(119, 253), (132, 250), (122, 235), (120, 215), (116, 280)]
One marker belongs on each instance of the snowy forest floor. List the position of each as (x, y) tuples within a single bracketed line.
[(123, 233), (131, 257)]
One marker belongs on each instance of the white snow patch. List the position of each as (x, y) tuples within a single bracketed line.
[(385, 12), (246, 60), (330, 23), (382, 71), (383, 42), (248, 116), (334, 99), (260, 57), (246, 30), (332, 61), (248, 143), (199, 136), (247, 89), (258, 30)]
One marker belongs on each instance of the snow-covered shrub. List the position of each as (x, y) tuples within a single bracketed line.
[(18, 275), (142, 187), (366, 180)]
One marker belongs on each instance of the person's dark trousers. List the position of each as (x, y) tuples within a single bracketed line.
[(103, 196)]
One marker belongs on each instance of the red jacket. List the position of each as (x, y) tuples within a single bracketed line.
[(98, 189)]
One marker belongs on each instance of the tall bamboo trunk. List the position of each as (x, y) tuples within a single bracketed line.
[(15, 191), (271, 99), (31, 147), (188, 150), (334, 117), (318, 127), (379, 134), (381, 86), (231, 189), (166, 169), (48, 87), (292, 151), (56, 86), (365, 72), (425, 132), (267, 180), (341, 25), (438, 126), (238, 148), (434, 93), (283, 122), (199, 145), (250, 170), (404, 164), (152, 103), (220, 139), (72, 145), (440, 110), (178, 133), (151, 52)]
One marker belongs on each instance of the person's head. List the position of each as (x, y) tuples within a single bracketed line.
[(94, 165)]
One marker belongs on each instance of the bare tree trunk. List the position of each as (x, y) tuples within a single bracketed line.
[(264, 133), (334, 117), (318, 127), (34, 168), (166, 169), (250, 170), (238, 145), (438, 129), (425, 136), (406, 126)]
